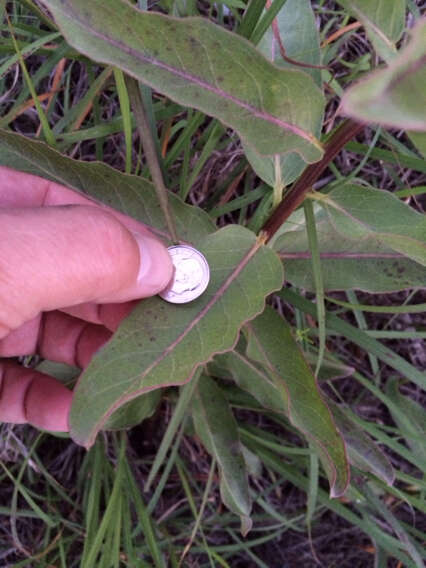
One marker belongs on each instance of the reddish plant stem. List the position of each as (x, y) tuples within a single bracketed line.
[(345, 132)]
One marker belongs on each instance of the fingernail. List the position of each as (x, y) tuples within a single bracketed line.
[(156, 268), (155, 271)]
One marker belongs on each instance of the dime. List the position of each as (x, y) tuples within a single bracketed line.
[(191, 277)]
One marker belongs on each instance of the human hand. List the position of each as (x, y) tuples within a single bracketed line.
[(70, 270)]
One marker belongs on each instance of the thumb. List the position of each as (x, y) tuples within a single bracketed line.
[(57, 257)]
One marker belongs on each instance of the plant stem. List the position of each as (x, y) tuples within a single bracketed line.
[(347, 130), (150, 153)]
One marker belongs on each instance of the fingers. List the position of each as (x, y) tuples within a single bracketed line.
[(55, 257), (109, 315), (29, 396), (58, 337), (18, 189)]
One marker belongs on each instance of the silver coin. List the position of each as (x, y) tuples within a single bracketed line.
[(191, 277)]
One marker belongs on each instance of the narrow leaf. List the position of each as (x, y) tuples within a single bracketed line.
[(272, 344), (162, 344), (176, 421), (298, 35), (359, 337), (250, 377), (201, 65), (411, 420), (318, 278), (362, 263), (362, 451), (131, 195), (330, 369), (216, 426), (253, 463), (359, 212), (395, 96), (419, 140), (384, 21)]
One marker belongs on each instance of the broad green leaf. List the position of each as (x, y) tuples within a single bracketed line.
[(132, 413), (361, 262), (162, 344), (134, 196), (411, 420), (395, 96), (200, 65), (300, 38), (384, 21), (271, 343), (362, 451), (217, 428), (359, 212)]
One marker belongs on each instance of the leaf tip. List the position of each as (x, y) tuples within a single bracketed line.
[(246, 525), (86, 443), (339, 489)]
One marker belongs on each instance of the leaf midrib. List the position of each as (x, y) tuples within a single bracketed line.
[(339, 255), (184, 75), (215, 298)]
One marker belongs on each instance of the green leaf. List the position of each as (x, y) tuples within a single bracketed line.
[(300, 38), (134, 412), (200, 65), (271, 343), (253, 463), (162, 344), (362, 451), (330, 369), (396, 96), (131, 195), (359, 212), (250, 377), (411, 420), (419, 140), (61, 371), (176, 421), (384, 21), (216, 426), (361, 262)]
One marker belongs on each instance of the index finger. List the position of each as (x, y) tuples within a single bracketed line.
[(19, 189)]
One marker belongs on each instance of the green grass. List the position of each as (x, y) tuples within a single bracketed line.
[(127, 503)]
